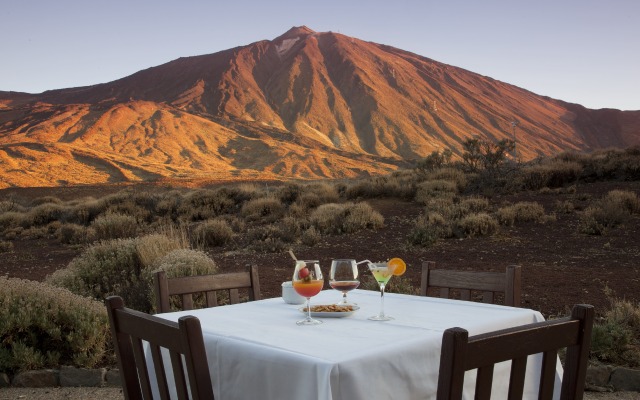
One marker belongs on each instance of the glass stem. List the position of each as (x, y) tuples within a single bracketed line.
[(344, 297), (382, 299), (308, 309)]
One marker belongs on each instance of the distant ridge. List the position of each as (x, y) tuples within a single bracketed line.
[(306, 105)]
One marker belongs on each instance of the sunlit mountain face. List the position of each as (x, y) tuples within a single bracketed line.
[(304, 105)]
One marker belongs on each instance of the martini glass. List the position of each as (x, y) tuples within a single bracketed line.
[(344, 277), (382, 273), (308, 282)]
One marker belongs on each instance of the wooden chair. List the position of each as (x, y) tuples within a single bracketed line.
[(182, 339), (186, 286), (489, 283), (462, 353)]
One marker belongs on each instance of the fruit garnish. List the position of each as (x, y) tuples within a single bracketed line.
[(303, 273), (397, 266)]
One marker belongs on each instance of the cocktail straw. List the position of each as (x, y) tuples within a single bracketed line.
[(363, 261), (292, 255)]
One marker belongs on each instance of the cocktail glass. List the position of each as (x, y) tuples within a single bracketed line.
[(308, 282), (382, 273)]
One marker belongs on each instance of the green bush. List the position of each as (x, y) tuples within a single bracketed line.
[(178, 263), (42, 326), (106, 268), (115, 226), (616, 338)]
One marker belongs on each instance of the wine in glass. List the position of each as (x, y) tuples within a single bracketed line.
[(344, 277), (308, 282)]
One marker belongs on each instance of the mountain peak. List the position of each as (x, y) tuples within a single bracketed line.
[(295, 32)]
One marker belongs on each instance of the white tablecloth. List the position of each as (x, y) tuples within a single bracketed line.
[(256, 350)]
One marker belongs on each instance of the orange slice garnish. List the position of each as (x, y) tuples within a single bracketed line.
[(397, 265)]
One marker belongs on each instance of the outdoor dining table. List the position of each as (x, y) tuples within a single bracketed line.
[(255, 350)]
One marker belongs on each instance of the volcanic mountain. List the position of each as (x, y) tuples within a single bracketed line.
[(305, 105)]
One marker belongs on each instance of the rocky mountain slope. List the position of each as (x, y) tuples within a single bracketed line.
[(304, 105)]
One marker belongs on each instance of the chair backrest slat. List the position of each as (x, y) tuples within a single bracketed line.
[(484, 382), (467, 282), (158, 364), (143, 372), (462, 353), (187, 301), (516, 380), (211, 298), (187, 286), (183, 341), (547, 374), (178, 375)]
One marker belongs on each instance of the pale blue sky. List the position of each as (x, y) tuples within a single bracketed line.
[(580, 51)]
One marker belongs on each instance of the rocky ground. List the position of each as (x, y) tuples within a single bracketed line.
[(116, 394)]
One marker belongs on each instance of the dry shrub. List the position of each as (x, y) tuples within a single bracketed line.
[(454, 175), (75, 234), (267, 239), (612, 210), (10, 205), (215, 232), (43, 214), (204, 204), (523, 211), (153, 247), (326, 192), (475, 204), (481, 224), (45, 200), (427, 190), (289, 193), (263, 210), (115, 226), (310, 237), (612, 164), (11, 219), (5, 246), (400, 184), (42, 326), (565, 207), (553, 173), (625, 199), (429, 229), (616, 338), (333, 218)]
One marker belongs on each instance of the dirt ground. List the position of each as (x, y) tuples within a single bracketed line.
[(560, 266), (116, 394)]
